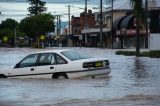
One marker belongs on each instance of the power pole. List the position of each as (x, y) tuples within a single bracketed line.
[(85, 21), (147, 25), (112, 22), (15, 37), (101, 25), (57, 24), (69, 7)]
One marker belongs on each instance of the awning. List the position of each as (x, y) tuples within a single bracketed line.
[(117, 23), (125, 21)]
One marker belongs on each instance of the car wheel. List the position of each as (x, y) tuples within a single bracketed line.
[(2, 76), (60, 76)]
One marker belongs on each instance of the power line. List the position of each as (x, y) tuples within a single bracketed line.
[(71, 1)]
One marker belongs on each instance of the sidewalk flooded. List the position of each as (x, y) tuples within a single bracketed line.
[(133, 81)]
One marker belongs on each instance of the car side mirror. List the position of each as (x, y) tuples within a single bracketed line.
[(17, 66)]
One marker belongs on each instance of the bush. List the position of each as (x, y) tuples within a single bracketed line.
[(152, 53), (126, 53), (144, 54)]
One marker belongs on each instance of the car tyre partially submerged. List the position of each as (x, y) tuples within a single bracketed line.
[(58, 64), (60, 76)]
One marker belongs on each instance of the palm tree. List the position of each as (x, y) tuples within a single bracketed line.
[(139, 13)]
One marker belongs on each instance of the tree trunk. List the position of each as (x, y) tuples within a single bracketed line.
[(137, 38)]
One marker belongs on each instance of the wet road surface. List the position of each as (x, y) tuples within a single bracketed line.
[(133, 81)]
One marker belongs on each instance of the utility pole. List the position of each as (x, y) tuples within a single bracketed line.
[(101, 25), (147, 24), (57, 24), (85, 21), (112, 22), (15, 36), (69, 7)]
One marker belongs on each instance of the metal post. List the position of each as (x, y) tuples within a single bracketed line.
[(101, 25)]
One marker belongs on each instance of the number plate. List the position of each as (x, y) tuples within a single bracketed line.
[(99, 64)]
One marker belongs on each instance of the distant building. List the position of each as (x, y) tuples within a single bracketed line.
[(124, 27)]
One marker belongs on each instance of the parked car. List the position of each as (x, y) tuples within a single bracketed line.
[(58, 64)]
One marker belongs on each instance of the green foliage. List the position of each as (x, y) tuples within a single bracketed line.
[(7, 28), (126, 53), (35, 26), (139, 11), (8, 23), (37, 7), (152, 53), (6, 32), (155, 53)]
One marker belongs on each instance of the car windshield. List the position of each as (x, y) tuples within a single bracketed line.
[(74, 55)]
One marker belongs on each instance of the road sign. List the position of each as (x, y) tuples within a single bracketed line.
[(42, 37), (5, 38)]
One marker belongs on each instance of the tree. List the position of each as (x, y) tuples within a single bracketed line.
[(7, 28), (8, 23), (35, 26), (139, 13), (37, 7)]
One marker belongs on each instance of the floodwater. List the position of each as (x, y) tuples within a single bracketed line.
[(134, 81)]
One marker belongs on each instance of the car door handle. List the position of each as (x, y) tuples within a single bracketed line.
[(51, 67), (32, 69)]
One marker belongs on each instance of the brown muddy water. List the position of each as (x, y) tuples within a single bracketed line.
[(134, 81)]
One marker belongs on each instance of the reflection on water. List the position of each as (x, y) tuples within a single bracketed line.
[(133, 81), (139, 70)]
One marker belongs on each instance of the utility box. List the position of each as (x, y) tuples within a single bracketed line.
[(155, 41)]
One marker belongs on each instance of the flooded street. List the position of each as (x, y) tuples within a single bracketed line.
[(133, 81)]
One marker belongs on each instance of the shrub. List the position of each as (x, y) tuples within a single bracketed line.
[(126, 53), (152, 53)]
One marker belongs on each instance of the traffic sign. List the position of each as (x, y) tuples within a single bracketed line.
[(42, 37), (5, 38)]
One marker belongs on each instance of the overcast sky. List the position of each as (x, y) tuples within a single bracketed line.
[(17, 9)]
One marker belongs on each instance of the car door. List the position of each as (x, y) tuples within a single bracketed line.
[(46, 65), (62, 64), (26, 67)]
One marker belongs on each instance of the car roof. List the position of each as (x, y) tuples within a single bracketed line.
[(53, 51)]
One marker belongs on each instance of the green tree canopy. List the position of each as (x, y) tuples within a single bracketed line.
[(8, 23), (35, 26), (7, 28), (37, 7), (139, 11)]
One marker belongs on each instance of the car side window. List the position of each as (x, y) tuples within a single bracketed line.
[(45, 59), (60, 60), (53, 61), (29, 61)]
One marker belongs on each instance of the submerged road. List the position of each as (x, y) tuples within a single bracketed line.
[(133, 81)]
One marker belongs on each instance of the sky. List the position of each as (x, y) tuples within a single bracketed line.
[(17, 9)]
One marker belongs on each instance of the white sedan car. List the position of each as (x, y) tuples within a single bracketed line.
[(58, 64)]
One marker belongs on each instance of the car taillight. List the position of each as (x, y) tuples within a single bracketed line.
[(87, 64)]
